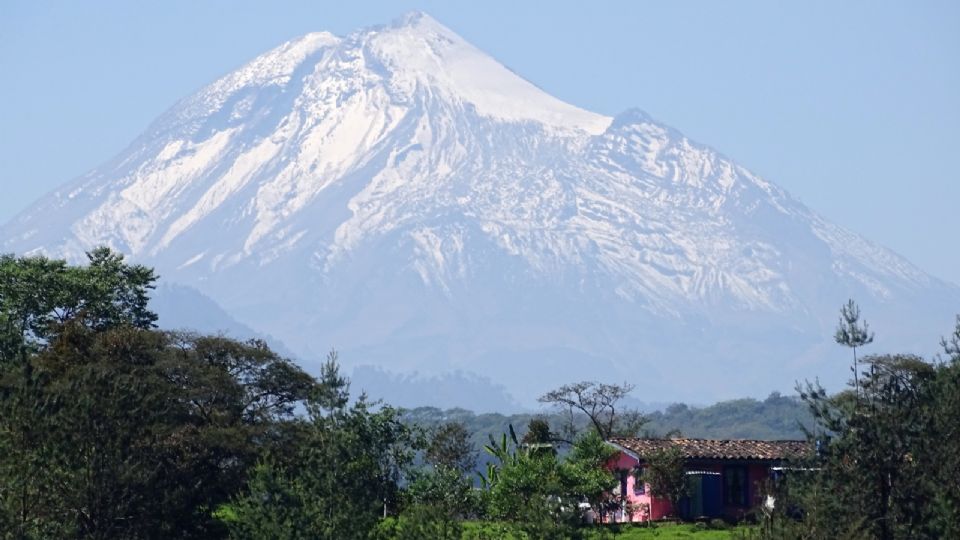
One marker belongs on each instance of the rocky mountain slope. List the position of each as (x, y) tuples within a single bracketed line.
[(403, 197)]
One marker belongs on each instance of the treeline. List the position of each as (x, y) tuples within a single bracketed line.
[(110, 428), (775, 418)]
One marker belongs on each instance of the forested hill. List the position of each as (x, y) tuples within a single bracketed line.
[(776, 417)]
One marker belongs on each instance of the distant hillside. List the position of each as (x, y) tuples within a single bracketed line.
[(776, 417), (180, 307)]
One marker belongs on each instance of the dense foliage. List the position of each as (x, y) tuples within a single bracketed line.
[(109, 429), (888, 459), (541, 493), (344, 475)]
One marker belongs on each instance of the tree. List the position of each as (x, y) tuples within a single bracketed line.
[(541, 493), (333, 391), (344, 475), (538, 431), (435, 502), (109, 428), (667, 477), (38, 295), (533, 492), (240, 402), (538, 437), (144, 432), (946, 420), (272, 508), (420, 522), (450, 447), (599, 403), (586, 467), (38, 298), (851, 334), (889, 450), (505, 452), (441, 494)]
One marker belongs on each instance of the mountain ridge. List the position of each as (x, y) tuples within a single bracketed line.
[(401, 196)]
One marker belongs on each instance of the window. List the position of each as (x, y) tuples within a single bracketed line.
[(639, 486), (735, 485), (623, 482)]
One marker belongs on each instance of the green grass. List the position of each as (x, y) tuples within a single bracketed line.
[(666, 531), (661, 531)]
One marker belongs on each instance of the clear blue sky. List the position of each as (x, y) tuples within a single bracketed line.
[(854, 106)]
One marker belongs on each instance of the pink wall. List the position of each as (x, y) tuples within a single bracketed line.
[(646, 507)]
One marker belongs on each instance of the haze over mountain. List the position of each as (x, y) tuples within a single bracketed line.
[(401, 196)]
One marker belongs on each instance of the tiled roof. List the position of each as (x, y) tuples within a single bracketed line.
[(718, 449)]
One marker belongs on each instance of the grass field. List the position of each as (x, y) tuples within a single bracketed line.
[(672, 531), (662, 531)]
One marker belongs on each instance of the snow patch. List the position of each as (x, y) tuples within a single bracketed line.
[(422, 51)]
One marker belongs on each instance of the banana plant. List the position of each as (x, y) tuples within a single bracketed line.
[(504, 453)]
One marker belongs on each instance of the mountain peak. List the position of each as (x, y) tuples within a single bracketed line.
[(416, 19), (421, 25), (633, 115), (420, 52)]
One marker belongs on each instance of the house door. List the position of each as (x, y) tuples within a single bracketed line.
[(712, 490), (705, 497), (695, 490)]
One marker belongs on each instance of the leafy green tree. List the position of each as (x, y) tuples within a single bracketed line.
[(540, 493), (420, 522), (667, 476), (343, 477), (504, 452), (538, 431), (145, 433), (38, 296), (441, 494), (450, 447), (945, 442), (539, 438), (587, 470), (109, 429), (333, 390), (889, 452), (273, 508), (530, 492), (438, 499)]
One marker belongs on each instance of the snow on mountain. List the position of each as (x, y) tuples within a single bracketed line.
[(400, 195)]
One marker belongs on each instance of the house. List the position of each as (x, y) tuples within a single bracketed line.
[(726, 477)]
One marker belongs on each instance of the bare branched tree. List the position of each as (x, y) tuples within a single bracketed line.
[(599, 402)]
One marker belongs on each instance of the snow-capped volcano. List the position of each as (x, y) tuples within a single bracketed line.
[(400, 195)]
